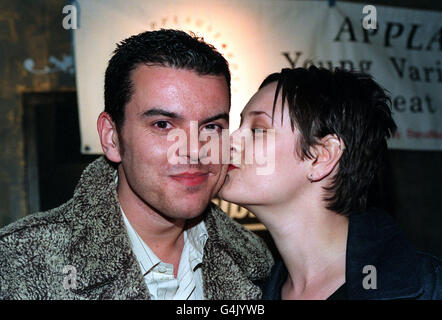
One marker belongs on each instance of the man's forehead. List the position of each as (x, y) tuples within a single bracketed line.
[(158, 72), (181, 93)]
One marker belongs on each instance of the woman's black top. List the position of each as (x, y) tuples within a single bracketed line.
[(380, 264), (279, 275)]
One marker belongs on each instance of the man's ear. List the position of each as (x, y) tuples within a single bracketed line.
[(326, 156), (108, 137)]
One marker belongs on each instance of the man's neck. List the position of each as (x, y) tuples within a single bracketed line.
[(163, 235)]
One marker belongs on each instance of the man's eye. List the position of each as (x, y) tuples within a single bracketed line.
[(162, 124), (213, 127)]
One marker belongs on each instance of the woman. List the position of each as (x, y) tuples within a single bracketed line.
[(330, 131)]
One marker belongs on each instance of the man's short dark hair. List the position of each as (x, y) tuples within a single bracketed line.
[(165, 47), (352, 106)]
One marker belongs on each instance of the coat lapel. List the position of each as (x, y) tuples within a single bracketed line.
[(233, 260), (100, 249), (223, 278)]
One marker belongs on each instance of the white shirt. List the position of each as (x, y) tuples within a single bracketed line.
[(159, 276)]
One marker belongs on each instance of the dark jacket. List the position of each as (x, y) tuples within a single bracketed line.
[(374, 239), (88, 233)]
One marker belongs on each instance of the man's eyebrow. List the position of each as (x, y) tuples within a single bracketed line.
[(223, 115), (161, 112)]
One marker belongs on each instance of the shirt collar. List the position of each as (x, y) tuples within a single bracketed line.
[(197, 237), (145, 256)]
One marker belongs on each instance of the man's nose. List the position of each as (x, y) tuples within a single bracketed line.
[(193, 143)]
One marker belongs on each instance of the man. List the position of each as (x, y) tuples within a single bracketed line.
[(139, 226)]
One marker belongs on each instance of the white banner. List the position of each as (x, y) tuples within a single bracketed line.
[(259, 37)]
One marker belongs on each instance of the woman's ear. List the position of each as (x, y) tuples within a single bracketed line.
[(108, 137), (326, 156)]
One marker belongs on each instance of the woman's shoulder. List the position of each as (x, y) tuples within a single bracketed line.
[(431, 275), (382, 263)]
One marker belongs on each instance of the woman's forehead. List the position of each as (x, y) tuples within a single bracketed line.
[(262, 103), (262, 100)]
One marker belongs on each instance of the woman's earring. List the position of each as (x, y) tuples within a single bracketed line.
[(310, 177)]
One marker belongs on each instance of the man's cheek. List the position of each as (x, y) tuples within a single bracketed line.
[(221, 176), (155, 152)]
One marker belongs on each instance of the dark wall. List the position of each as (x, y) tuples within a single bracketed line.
[(413, 186), (32, 31), (28, 30)]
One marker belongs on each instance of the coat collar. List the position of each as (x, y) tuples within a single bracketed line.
[(375, 239), (100, 248), (107, 268), (233, 259)]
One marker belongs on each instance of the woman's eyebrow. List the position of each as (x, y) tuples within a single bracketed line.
[(256, 113)]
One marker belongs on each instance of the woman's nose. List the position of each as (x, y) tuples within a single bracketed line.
[(236, 147)]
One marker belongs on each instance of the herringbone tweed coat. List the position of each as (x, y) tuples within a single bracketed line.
[(88, 233)]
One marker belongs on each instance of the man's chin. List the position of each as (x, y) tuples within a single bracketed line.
[(190, 203), (186, 210)]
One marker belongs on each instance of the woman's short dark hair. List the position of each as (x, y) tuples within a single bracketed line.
[(352, 106), (165, 47)]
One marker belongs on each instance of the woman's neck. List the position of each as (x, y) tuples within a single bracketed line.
[(312, 243)]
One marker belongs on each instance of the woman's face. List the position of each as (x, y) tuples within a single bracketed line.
[(282, 181)]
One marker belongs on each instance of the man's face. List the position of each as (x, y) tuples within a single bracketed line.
[(164, 99)]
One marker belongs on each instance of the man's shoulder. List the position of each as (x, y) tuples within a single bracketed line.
[(34, 224), (33, 253), (35, 238)]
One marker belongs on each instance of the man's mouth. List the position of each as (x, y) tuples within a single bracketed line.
[(232, 167), (191, 178)]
